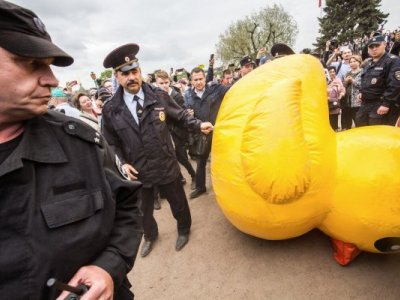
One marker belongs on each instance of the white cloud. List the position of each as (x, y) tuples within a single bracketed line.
[(180, 33)]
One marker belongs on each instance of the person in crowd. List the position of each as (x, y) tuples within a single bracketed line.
[(88, 115), (134, 124), (66, 210), (60, 101), (179, 135), (227, 77), (205, 101), (336, 92), (380, 86), (246, 66), (183, 85), (340, 60), (280, 50), (107, 83), (352, 82), (395, 49)]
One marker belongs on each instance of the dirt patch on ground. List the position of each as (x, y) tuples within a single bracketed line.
[(220, 262)]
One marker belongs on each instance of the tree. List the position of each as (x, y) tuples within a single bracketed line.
[(262, 29), (346, 20)]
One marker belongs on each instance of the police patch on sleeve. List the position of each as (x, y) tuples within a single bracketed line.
[(120, 168), (397, 75)]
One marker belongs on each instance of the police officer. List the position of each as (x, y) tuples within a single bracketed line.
[(65, 210), (135, 124), (380, 86)]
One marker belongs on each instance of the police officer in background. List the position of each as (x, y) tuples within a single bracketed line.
[(135, 124), (65, 210), (380, 86)]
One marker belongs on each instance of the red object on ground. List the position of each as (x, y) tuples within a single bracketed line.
[(343, 252)]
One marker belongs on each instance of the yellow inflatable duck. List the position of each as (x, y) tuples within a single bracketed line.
[(279, 170)]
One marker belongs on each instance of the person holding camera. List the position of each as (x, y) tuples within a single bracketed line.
[(339, 58)]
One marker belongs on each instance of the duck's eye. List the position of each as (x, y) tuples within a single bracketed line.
[(389, 244)]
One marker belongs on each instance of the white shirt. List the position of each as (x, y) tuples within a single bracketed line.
[(199, 93), (128, 98)]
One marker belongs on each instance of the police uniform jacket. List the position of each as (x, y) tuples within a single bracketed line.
[(178, 131), (380, 81), (63, 206), (147, 147)]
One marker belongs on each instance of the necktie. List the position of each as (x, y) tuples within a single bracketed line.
[(139, 108)]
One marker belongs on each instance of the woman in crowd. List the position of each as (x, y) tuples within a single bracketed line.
[(352, 83), (336, 91), (83, 102)]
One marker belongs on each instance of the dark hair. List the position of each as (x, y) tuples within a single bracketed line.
[(332, 68), (198, 70), (75, 100), (226, 72)]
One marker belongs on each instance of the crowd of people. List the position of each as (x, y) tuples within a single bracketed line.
[(81, 172)]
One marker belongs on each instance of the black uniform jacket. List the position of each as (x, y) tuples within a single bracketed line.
[(63, 205), (380, 81), (148, 147)]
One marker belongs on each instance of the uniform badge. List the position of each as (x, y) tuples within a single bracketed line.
[(397, 75), (127, 58), (120, 168), (161, 115), (374, 80)]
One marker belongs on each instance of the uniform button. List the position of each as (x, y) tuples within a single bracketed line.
[(71, 126)]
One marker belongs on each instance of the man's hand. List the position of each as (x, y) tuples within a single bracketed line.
[(130, 171), (206, 127), (382, 110), (261, 52), (359, 98), (190, 111), (99, 282)]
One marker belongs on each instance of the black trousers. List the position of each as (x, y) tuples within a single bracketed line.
[(201, 168), (176, 197), (367, 115), (333, 120), (348, 116), (181, 154)]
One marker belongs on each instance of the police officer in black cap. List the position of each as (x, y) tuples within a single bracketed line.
[(280, 50), (380, 86), (246, 66), (65, 209), (135, 125)]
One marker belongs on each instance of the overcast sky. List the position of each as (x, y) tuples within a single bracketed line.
[(174, 33)]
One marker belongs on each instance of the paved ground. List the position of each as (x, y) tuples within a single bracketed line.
[(220, 262)]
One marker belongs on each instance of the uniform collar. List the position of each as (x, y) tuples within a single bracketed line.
[(128, 95), (38, 144)]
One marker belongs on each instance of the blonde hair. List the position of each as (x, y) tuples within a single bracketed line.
[(357, 58), (161, 74)]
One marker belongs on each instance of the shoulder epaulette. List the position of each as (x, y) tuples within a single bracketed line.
[(83, 131)]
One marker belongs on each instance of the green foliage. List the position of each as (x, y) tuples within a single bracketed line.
[(261, 29), (106, 74), (346, 20)]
